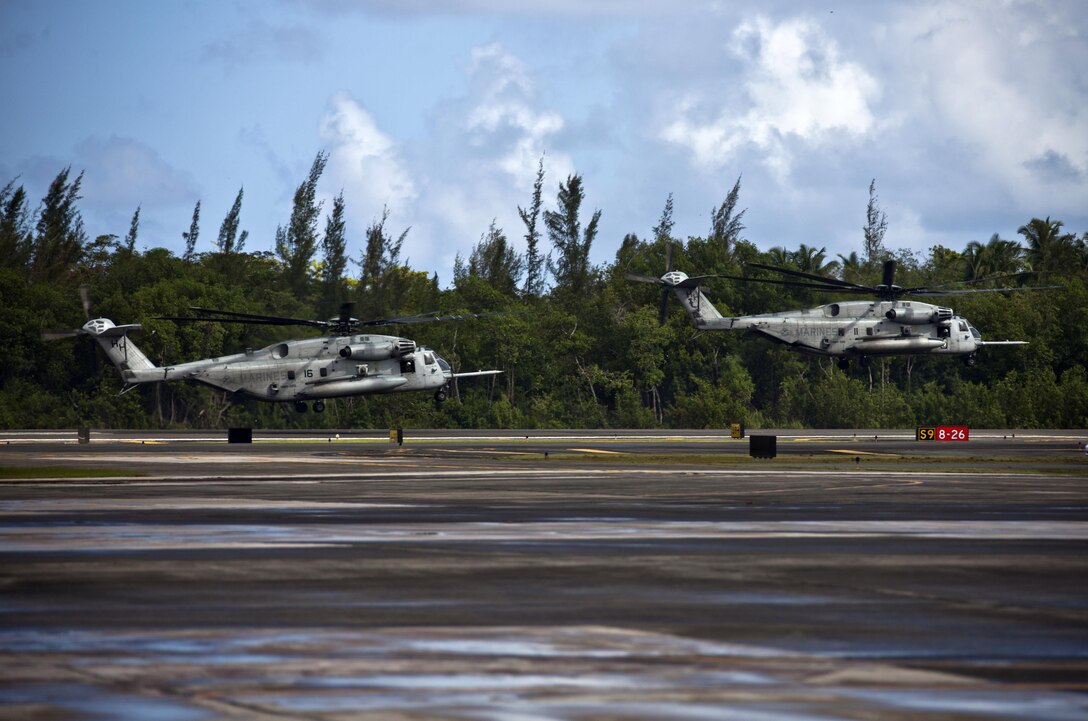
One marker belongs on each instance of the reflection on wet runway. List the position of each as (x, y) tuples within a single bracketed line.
[(561, 672)]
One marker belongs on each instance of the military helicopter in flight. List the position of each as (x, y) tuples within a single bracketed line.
[(852, 329), (349, 361)]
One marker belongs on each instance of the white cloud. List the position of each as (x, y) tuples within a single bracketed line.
[(1007, 88), (501, 117), (486, 147), (364, 161), (796, 89)]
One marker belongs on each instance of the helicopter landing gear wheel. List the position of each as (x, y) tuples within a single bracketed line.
[(319, 406), (300, 407), (844, 364), (969, 361), (440, 395)]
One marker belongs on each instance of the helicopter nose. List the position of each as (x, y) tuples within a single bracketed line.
[(446, 369)]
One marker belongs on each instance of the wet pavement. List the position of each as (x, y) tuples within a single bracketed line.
[(464, 583)]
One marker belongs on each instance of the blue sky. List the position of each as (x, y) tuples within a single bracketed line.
[(971, 116)]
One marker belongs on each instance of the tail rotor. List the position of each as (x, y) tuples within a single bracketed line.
[(663, 304), (85, 299), (89, 330)]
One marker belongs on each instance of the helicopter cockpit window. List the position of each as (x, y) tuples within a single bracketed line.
[(443, 364), (428, 358), (975, 333), (963, 326)]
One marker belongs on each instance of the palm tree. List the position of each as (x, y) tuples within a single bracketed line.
[(813, 260), (1048, 248), (996, 257), (780, 256), (850, 267)]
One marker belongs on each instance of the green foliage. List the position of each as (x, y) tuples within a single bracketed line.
[(16, 236), (58, 242), (297, 242), (571, 266), (229, 241), (588, 352)]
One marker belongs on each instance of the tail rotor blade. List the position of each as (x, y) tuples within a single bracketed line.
[(59, 334), (85, 296)]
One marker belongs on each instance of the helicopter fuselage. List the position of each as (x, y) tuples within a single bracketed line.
[(297, 370), (845, 329), (861, 328)]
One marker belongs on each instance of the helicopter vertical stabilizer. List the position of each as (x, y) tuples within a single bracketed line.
[(697, 305), (114, 340)]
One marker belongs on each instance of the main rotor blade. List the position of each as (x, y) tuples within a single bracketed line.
[(828, 288), (643, 278), (242, 321), (663, 307), (965, 291), (925, 289), (811, 276), (255, 318), (888, 279), (434, 317)]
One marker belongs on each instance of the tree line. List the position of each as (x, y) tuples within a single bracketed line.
[(585, 347)]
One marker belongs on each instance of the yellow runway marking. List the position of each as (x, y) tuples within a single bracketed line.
[(492, 451), (595, 450), (864, 453)]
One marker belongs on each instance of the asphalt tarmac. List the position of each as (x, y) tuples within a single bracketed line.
[(567, 576)]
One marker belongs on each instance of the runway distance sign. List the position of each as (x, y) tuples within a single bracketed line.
[(942, 433)]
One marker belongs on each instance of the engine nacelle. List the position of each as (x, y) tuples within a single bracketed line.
[(379, 350), (909, 316)]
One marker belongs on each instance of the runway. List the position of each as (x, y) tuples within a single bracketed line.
[(556, 576)]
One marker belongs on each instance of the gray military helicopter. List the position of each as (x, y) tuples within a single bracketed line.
[(347, 362), (859, 329)]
